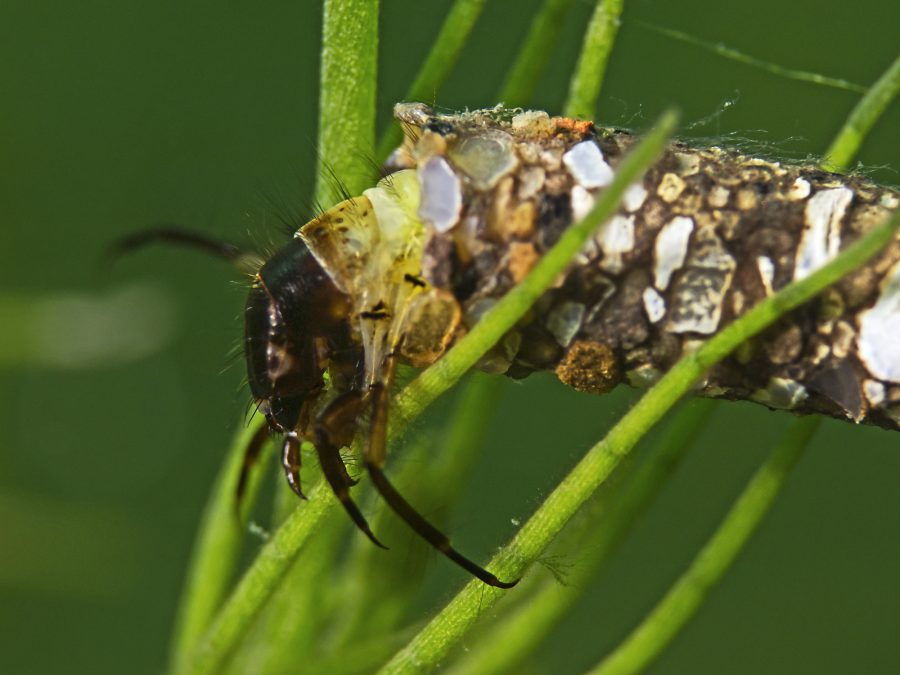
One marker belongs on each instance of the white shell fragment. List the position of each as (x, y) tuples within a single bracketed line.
[(441, 194), (874, 391), (879, 331), (616, 238), (586, 164), (766, 273), (634, 197), (699, 293), (821, 239), (531, 180), (800, 189), (889, 201), (670, 249), (718, 196), (582, 202), (654, 304)]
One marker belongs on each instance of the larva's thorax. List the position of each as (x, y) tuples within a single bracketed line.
[(704, 236)]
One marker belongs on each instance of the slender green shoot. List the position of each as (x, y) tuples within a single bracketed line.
[(664, 622), (740, 57), (257, 585), (506, 313), (535, 52), (445, 630), (376, 596), (347, 98), (295, 617), (437, 66), (584, 87), (606, 521), (864, 115), (217, 549), (346, 138), (359, 657)]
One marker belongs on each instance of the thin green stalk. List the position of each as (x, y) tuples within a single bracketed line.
[(584, 87), (346, 138), (864, 115), (216, 550), (347, 98), (664, 622), (535, 52), (437, 66), (435, 469), (445, 630), (258, 584), (358, 658), (291, 625), (740, 57), (464, 435), (513, 306), (262, 579), (291, 618), (507, 643)]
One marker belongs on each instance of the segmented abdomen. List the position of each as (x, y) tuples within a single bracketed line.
[(707, 234)]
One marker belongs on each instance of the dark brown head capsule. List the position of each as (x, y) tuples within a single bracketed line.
[(295, 318)]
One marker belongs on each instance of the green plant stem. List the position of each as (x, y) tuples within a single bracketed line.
[(740, 57), (347, 98), (661, 625), (607, 520), (346, 137), (295, 616), (445, 630), (534, 53), (584, 87), (258, 584), (261, 580), (355, 659), (437, 66), (464, 435), (216, 550), (289, 620), (864, 115), (435, 468), (506, 313)]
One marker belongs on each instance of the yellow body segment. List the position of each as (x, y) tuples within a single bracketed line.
[(371, 247)]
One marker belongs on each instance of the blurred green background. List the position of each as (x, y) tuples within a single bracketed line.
[(118, 399)]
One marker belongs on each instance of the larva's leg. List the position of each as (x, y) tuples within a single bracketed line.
[(335, 429), (374, 459), (290, 462)]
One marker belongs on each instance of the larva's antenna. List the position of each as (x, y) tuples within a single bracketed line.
[(174, 235)]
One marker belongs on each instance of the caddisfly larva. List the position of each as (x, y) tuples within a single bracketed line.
[(473, 200)]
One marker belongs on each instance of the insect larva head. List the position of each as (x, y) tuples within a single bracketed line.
[(293, 308)]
